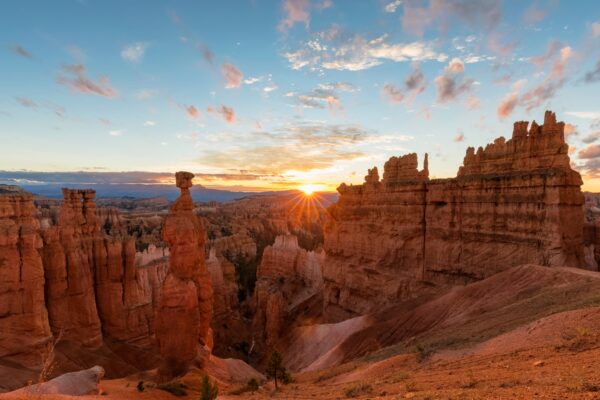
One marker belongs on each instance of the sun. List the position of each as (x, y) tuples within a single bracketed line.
[(309, 188)]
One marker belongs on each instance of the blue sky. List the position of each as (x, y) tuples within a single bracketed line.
[(275, 94)]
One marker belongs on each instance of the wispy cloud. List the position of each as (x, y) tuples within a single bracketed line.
[(324, 95), (534, 14), (593, 75), (150, 123), (116, 132), (555, 60), (227, 113), (75, 77), (590, 151), (296, 11), (332, 50), (294, 147), (392, 6), (192, 112), (134, 52), (414, 85), (451, 84), (21, 51), (459, 138), (418, 17), (26, 102), (58, 110), (510, 101), (145, 94), (584, 114), (232, 75)]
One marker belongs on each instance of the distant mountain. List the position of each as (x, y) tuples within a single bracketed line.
[(199, 193)]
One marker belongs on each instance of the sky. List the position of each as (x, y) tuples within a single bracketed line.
[(256, 94)]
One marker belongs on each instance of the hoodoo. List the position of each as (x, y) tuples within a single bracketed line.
[(514, 202), (185, 310)]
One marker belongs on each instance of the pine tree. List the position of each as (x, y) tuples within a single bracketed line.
[(276, 370)]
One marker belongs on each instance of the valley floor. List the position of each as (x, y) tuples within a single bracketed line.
[(555, 357)]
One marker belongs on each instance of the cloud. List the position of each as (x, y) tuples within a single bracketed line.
[(584, 114), (296, 11), (392, 7), (26, 102), (556, 58), (594, 75), (417, 19), (60, 111), (206, 52), (510, 101), (150, 123), (451, 84), (590, 151), (232, 75), (74, 77), (21, 51), (596, 29), (116, 132), (324, 95), (227, 113), (146, 94), (270, 88), (533, 15), (99, 178), (192, 112), (592, 137), (392, 93), (414, 84), (253, 80), (332, 50), (571, 129), (459, 138), (455, 66), (299, 146), (134, 52)]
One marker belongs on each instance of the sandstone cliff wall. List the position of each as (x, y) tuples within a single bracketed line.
[(514, 202), (24, 327)]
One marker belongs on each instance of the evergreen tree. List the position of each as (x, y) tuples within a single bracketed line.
[(276, 370)]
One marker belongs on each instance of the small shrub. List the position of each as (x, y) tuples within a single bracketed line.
[(175, 388), (252, 385), (208, 390), (423, 353), (590, 387), (140, 386), (359, 390)]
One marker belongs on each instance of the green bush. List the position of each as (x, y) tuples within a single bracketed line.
[(208, 390)]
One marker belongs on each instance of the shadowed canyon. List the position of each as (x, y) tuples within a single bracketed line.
[(484, 285)]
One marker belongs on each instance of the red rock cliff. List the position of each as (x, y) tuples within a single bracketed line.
[(514, 202), (24, 328)]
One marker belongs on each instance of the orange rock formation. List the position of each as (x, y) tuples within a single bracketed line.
[(24, 328), (185, 310), (512, 203)]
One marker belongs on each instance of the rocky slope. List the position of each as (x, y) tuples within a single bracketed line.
[(514, 202)]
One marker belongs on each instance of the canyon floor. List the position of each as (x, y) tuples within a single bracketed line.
[(526, 348)]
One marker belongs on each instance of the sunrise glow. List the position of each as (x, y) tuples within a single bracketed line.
[(309, 188)]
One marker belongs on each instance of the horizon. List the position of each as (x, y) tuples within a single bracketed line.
[(280, 95)]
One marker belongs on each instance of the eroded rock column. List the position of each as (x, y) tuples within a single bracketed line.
[(185, 309)]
